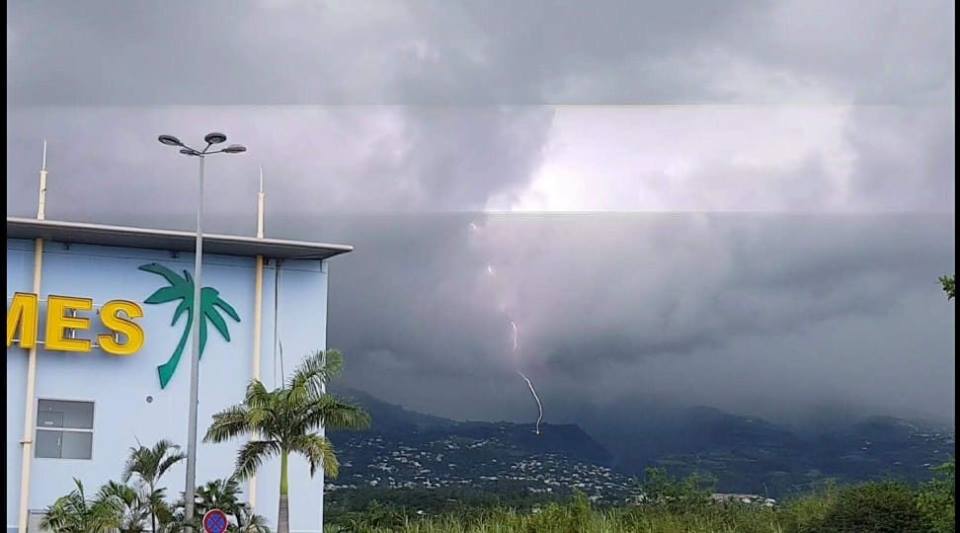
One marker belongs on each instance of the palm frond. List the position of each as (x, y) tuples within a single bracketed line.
[(228, 424), (162, 447), (133, 464), (257, 394), (252, 454), (334, 414), (318, 452), (316, 369), (169, 461)]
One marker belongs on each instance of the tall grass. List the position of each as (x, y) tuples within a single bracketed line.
[(579, 517), (870, 507)]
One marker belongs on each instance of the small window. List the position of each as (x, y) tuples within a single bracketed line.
[(64, 429)]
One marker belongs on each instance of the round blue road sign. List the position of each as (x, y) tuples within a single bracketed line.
[(215, 521)]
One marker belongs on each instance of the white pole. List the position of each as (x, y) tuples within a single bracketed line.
[(42, 204), (29, 413), (257, 321), (260, 207), (195, 360)]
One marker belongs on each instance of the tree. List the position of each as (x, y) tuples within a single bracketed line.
[(937, 499), (881, 507), (149, 465), (224, 494), (949, 286), (73, 513), (181, 288), (659, 488), (285, 421), (128, 502)]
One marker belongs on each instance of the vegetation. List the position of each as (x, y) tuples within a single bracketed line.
[(74, 513), (949, 286), (937, 499), (683, 506), (141, 507), (286, 420), (148, 465)]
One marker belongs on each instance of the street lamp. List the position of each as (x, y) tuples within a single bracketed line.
[(211, 139)]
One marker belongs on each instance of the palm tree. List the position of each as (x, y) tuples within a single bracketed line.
[(129, 503), (149, 465), (285, 420), (181, 288), (224, 494), (73, 513)]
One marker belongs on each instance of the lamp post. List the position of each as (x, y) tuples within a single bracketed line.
[(211, 139)]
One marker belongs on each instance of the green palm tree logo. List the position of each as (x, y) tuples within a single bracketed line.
[(181, 288)]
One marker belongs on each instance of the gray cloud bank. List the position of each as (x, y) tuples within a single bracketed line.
[(766, 314), (465, 53), (828, 296)]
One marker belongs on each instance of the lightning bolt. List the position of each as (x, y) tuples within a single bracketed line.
[(535, 397), (533, 391), (516, 348)]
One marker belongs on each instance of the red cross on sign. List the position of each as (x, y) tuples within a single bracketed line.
[(215, 521)]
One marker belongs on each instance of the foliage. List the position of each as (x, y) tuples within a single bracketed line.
[(869, 508), (808, 511), (660, 488), (74, 513), (148, 465), (285, 421), (949, 286), (879, 507), (576, 515), (225, 494), (120, 508), (140, 508), (937, 499), (129, 505)]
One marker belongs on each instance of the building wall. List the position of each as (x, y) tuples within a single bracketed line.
[(120, 386)]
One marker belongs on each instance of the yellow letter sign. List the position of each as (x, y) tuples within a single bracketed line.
[(110, 316), (58, 323), (116, 315), (22, 318)]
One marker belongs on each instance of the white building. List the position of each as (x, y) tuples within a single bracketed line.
[(92, 406)]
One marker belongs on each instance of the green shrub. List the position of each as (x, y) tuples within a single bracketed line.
[(661, 489), (878, 507), (573, 517), (937, 500)]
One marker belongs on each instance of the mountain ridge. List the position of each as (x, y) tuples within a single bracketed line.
[(742, 453)]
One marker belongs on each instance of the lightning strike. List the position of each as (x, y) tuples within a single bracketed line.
[(533, 391)]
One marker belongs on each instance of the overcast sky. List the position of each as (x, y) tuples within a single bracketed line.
[(738, 204)]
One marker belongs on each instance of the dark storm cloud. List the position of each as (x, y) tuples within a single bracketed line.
[(437, 52), (769, 314), (315, 159), (755, 313)]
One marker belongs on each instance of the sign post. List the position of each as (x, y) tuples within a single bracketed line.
[(215, 521)]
